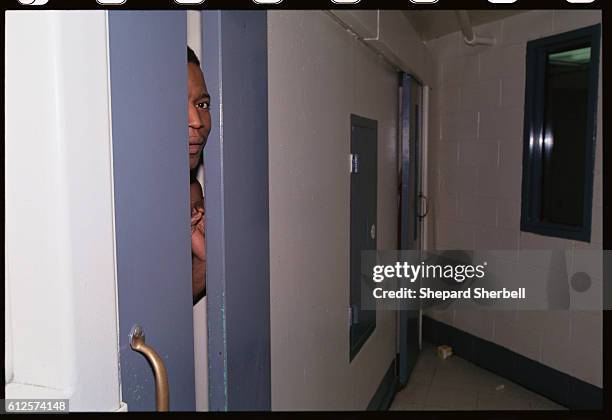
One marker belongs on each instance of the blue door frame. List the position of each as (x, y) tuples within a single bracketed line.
[(235, 64), (409, 219)]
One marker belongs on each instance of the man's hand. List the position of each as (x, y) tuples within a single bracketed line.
[(198, 225), (198, 242)]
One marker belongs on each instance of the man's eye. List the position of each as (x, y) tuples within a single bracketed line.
[(203, 105)]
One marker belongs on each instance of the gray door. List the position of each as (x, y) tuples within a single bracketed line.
[(410, 229), (235, 61), (148, 68), (364, 187)]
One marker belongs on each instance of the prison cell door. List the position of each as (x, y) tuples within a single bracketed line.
[(410, 218), (148, 78)]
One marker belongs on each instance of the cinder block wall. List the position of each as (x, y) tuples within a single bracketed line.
[(476, 171)]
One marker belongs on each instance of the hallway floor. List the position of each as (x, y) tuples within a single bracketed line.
[(456, 384)]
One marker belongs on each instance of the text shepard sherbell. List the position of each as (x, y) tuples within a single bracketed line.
[(458, 273), (427, 293)]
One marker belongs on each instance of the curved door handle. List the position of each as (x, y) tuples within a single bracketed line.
[(424, 198), (162, 391)]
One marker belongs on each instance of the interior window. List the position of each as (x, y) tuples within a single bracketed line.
[(560, 114)]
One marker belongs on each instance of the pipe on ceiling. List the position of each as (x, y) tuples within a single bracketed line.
[(469, 36)]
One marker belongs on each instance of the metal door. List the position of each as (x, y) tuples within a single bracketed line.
[(235, 61), (148, 72), (410, 220), (364, 187)]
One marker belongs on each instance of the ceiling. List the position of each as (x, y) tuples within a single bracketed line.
[(431, 24)]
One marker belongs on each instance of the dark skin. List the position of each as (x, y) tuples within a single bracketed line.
[(199, 128)]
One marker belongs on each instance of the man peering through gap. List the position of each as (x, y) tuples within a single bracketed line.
[(198, 111)]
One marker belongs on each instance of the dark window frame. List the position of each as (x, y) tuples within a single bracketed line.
[(535, 90)]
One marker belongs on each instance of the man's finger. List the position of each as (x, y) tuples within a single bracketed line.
[(196, 217), (200, 227)]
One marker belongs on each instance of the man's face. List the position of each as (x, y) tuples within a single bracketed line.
[(199, 114)]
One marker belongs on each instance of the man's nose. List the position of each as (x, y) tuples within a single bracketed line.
[(195, 121)]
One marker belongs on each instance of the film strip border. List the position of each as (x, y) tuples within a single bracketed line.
[(301, 4)]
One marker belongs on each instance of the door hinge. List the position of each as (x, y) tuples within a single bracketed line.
[(354, 161)]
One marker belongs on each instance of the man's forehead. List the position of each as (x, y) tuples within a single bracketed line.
[(196, 81), (195, 71)]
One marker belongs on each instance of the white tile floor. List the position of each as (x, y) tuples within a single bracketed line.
[(456, 384)]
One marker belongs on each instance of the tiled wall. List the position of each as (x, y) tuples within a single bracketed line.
[(476, 136)]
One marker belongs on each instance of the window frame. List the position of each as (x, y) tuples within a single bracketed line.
[(535, 91)]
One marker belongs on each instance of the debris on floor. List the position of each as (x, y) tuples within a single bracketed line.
[(500, 387), (445, 352)]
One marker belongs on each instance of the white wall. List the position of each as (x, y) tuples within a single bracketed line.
[(476, 170), (390, 33), (318, 75), (59, 210), (8, 325)]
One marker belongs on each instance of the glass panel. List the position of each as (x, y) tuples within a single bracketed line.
[(564, 148)]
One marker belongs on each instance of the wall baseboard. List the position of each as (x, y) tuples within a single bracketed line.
[(381, 401), (557, 386)]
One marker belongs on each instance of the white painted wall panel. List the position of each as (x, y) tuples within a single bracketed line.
[(8, 326), (59, 237)]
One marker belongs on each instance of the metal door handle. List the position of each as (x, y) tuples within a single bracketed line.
[(424, 215), (162, 391)]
